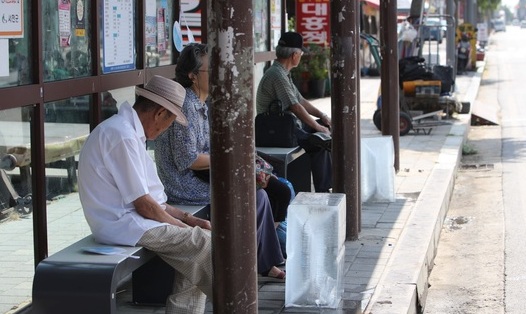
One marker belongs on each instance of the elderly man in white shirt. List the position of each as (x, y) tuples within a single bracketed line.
[(124, 200)]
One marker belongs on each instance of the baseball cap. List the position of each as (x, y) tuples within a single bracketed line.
[(292, 40), (167, 93)]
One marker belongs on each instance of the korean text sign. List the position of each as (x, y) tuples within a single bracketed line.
[(313, 21)]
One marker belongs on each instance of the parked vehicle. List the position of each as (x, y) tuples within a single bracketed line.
[(432, 30), (499, 26), (523, 24)]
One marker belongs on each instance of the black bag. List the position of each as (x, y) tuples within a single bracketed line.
[(413, 68), (445, 74), (276, 128)]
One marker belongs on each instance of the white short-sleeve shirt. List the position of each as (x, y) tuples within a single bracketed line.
[(114, 170)]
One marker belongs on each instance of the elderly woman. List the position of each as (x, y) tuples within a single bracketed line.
[(183, 157)]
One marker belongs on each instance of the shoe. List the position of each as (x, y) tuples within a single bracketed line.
[(322, 140)]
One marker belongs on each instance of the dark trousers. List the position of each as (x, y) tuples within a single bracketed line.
[(320, 160), (279, 196), (269, 249)]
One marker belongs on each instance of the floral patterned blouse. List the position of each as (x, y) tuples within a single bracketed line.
[(178, 147)]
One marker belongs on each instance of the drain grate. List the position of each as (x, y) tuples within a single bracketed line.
[(477, 166)]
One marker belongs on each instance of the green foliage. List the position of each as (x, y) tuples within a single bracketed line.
[(291, 24), (317, 61), (487, 9), (488, 5)]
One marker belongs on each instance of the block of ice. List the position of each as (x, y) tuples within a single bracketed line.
[(315, 250), (368, 173), (377, 169)]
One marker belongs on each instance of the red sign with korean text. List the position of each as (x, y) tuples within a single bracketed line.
[(313, 21)]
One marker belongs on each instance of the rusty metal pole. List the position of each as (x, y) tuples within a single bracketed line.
[(38, 173), (358, 15), (230, 39), (389, 76), (346, 131)]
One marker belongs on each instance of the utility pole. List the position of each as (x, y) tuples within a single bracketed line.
[(389, 74), (232, 151), (345, 100), (451, 48)]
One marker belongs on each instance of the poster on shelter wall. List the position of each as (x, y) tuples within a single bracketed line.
[(275, 14), (11, 19), (161, 30), (118, 35), (313, 21), (80, 26), (64, 22), (150, 27)]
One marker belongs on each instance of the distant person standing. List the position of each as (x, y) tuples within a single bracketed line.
[(314, 135)]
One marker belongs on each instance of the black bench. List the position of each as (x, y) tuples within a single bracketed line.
[(290, 163), (73, 281)]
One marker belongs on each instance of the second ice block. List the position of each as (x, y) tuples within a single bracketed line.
[(315, 250)]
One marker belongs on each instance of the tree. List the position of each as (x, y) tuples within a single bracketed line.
[(487, 7)]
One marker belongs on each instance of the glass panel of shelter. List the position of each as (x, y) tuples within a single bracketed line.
[(16, 225), (261, 25), (66, 33), (66, 128), (158, 33), (19, 53)]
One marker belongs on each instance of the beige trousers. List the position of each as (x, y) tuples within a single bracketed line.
[(189, 252)]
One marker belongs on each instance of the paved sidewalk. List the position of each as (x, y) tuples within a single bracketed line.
[(386, 270)]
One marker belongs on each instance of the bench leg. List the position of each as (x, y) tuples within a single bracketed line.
[(25, 180), (72, 173), (76, 289), (152, 283)]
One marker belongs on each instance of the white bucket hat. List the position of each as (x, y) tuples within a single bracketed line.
[(167, 93)]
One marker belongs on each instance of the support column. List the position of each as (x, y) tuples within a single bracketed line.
[(389, 75), (469, 16), (451, 48), (345, 123), (230, 40)]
